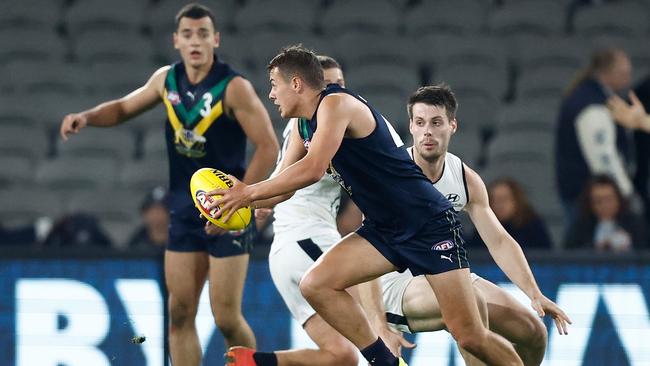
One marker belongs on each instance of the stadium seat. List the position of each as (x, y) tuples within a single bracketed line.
[(521, 146), (125, 15), (114, 80), (57, 78), (118, 210), (476, 113), (17, 171), (160, 18), (377, 50), (114, 142), (526, 117), (475, 81), (14, 113), (466, 144), (545, 82), (354, 16), (464, 17), (391, 107), (560, 51), (30, 15), (34, 45), (453, 50), (624, 19), (23, 205), (271, 16), (399, 80), (154, 143), (75, 173), (262, 47), (23, 141), (145, 174), (110, 46), (528, 17)]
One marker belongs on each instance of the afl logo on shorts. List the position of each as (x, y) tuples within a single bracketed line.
[(443, 246), (173, 98)]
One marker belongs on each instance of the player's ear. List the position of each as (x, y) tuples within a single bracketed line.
[(217, 39), (175, 40), (296, 83), (454, 125)]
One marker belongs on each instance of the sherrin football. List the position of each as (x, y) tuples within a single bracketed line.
[(207, 179)]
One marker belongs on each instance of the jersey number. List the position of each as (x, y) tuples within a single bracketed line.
[(207, 105)]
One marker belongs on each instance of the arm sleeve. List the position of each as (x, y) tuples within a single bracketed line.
[(597, 138)]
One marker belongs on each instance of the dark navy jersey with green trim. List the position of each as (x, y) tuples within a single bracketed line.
[(381, 178), (198, 131)]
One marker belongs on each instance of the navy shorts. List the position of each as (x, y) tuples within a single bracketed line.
[(187, 234), (438, 247)]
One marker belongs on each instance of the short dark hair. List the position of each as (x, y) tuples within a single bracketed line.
[(298, 61), (437, 95), (195, 11), (327, 62)]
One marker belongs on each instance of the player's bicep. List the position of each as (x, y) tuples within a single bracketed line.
[(478, 208), (333, 120), (249, 111), (146, 96)]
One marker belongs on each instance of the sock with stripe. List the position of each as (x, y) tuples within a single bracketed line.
[(377, 354)]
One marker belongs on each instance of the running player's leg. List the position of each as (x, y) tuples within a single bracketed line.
[(420, 309), (456, 299), (333, 348), (352, 261), (185, 274), (227, 277), (517, 324)]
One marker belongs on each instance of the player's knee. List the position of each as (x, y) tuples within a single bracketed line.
[(181, 314), (227, 325), (347, 356), (538, 335), (309, 286), (470, 342)]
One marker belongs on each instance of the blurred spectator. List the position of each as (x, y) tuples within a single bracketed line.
[(77, 230), (27, 234), (606, 223), (634, 116), (154, 232), (588, 142), (512, 209)]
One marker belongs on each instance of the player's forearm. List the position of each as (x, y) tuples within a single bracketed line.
[(299, 175), (106, 114), (262, 162), (271, 202), (512, 261), (370, 297)]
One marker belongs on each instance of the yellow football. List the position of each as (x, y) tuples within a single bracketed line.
[(207, 179)]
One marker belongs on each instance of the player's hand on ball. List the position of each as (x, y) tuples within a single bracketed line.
[(212, 229), (231, 199), (543, 306), (72, 123)]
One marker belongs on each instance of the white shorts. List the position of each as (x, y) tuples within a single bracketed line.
[(394, 286), (288, 262)]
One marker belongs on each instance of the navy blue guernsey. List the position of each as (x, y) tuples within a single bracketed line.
[(381, 178), (198, 131)]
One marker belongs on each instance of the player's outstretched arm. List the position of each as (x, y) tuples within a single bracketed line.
[(119, 110), (506, 251), (244, 104), (333, 121)]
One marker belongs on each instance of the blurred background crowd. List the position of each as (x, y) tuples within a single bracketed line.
[(532, 77)]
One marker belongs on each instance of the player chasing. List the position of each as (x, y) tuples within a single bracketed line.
[(211, 112), (404, 214), (305, 227)]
